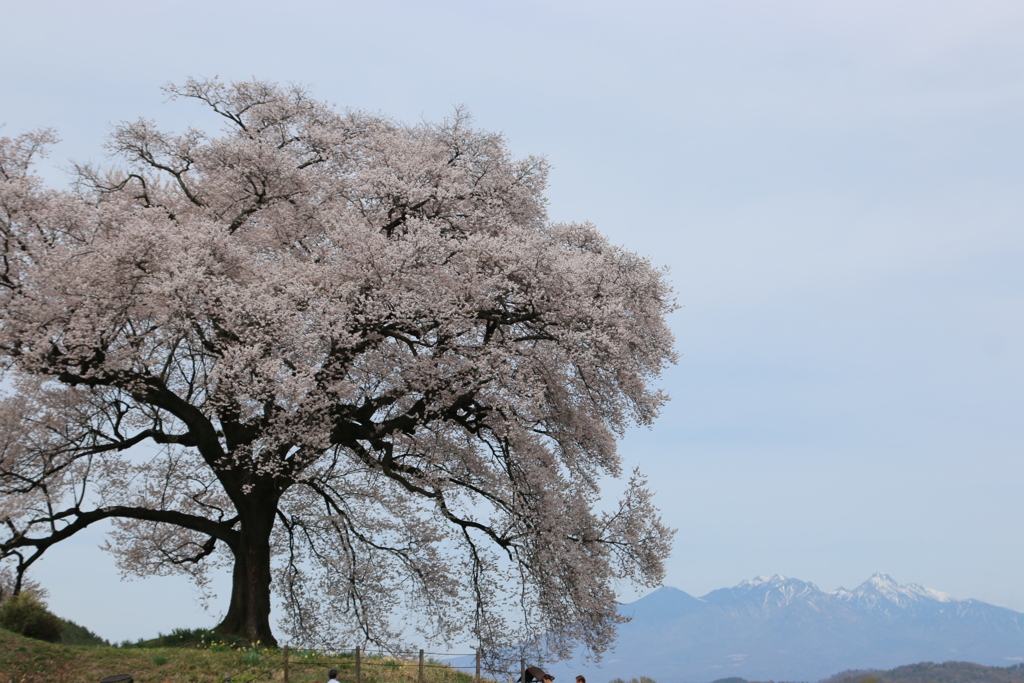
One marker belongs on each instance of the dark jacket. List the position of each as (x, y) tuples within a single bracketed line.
[(534, 673)]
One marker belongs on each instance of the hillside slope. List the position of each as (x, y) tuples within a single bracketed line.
[(32, 661)]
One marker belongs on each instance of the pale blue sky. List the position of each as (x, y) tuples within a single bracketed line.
[(836, 186)]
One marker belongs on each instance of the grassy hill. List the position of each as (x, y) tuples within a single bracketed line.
[(24, 660)]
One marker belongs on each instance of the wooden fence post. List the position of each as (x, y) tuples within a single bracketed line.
[(522, 671), (285, 664), (477, 679), (358, 677), (419, 679)]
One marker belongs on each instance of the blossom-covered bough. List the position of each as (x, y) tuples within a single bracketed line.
[(348, 358)]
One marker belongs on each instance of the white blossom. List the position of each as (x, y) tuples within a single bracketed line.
[(373, 375)]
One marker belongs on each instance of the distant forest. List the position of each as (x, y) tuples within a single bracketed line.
[(929, 672), (926, 672)]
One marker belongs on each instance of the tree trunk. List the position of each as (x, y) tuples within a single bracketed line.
[(249, 613)]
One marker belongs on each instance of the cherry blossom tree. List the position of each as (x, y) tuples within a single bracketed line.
[(347, 359)]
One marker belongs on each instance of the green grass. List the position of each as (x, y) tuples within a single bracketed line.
[(32, 661)]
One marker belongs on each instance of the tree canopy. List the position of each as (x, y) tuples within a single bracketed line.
[(372, 375)]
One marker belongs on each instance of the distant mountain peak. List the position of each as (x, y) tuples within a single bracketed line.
[(771, 582), (881, 592), (881, 579), (761, 579), (767, 593), (790, 630)]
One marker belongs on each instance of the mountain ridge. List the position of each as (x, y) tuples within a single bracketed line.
[(782, 628)]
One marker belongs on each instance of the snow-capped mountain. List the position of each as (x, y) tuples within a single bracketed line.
[(768, 593), (883, 595), (779, 628)]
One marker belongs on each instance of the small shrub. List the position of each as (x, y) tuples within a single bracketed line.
[(159, 660), (252, 657), (27, 614)]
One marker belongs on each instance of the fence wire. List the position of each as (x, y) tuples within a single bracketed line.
[(309, 665)]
